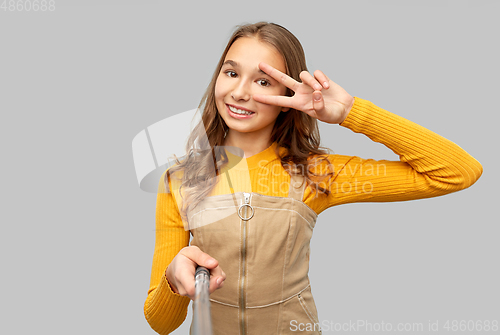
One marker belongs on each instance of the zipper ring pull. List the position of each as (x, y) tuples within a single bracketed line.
[(239, 212)]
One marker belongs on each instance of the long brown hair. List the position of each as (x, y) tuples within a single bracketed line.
[(294, 130)]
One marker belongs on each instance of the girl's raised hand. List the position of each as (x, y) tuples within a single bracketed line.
[(334, 102)]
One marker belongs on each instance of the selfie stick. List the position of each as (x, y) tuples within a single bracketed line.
[(201, 317)]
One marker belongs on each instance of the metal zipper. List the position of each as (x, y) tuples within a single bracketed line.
[(244, 221), (309, 315)]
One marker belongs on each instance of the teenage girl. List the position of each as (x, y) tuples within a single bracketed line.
[(264, 102)]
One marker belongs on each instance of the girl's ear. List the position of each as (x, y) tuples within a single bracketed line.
[(285, 109)]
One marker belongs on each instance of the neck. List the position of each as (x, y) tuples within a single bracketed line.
[(250, 145)]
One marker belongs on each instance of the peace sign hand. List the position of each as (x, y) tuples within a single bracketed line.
[(334, 102)]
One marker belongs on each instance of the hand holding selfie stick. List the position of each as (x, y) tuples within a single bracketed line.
[(202, 318)]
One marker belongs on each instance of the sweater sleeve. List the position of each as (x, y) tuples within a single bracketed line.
[(429, 165), (165, 310)]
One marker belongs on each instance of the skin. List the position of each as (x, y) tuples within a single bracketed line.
[(180, 272), (244, 86), (316, 96)]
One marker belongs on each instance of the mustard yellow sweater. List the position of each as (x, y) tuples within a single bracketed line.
[(429, 166)]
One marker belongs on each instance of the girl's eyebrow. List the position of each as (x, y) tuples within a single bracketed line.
[(235, 64)]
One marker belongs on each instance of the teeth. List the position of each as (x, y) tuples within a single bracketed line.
[(239, 111)]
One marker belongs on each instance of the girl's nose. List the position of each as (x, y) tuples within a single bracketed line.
[(241, 91)]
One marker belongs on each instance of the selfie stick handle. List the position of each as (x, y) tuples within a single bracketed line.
[(202, 318)]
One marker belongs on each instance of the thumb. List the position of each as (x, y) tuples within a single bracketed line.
[(210, 262), (201, 258), (206, 260)]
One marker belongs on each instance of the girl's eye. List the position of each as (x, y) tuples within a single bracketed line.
[(228, 73), (267, 83)]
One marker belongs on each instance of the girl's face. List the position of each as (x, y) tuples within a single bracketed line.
[(240, 78)]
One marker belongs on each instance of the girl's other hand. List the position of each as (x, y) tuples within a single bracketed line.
[(334, 102), (180, 273)]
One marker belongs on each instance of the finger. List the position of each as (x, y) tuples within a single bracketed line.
[(199, 257), (216, 283), (277, 100), (217, 277), (217, 272), (280, 76), (187, 284), (322, 78), (318, 102), (310, 80)]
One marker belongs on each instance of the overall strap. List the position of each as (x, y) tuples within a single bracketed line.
[(297, 187)]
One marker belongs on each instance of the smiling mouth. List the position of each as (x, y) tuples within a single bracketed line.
[(239, 111)]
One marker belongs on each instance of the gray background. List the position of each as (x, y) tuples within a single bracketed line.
[(78, 83)]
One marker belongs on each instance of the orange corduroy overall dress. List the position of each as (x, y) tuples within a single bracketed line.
[(262, 244)]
